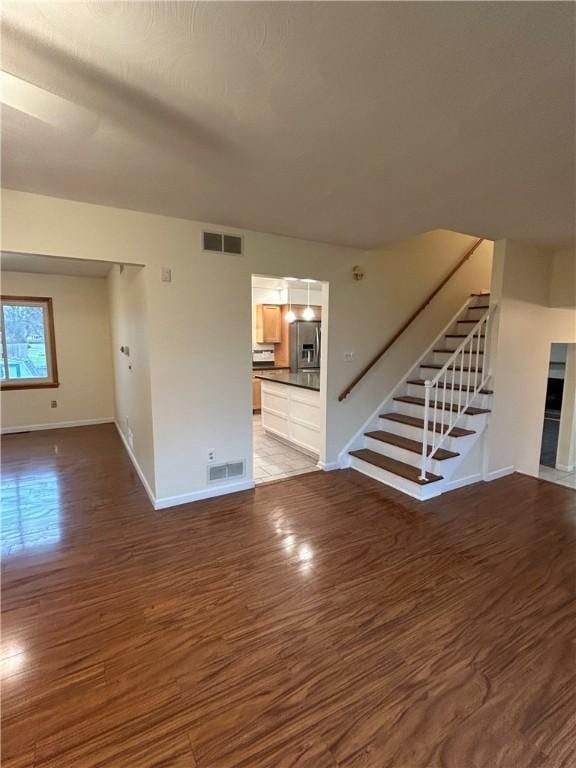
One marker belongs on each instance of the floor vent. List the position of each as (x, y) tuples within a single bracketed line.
[(217, 473), (217, 242)]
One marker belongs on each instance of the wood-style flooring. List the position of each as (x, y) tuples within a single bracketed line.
[(320, 622)]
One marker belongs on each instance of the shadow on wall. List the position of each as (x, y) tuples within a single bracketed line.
[(132, 108)]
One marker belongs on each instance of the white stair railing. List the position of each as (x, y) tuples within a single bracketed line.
[(453, 388)]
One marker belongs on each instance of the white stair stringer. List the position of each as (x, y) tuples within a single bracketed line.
[(388, 448)]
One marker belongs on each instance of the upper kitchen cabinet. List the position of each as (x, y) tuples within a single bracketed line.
[(268, 323)]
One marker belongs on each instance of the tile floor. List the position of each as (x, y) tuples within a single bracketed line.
[(558, 476), (274, 460)]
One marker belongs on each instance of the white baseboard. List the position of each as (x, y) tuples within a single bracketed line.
[(137, 467), (498, 473), (56, 425), (185, 498), (329, 466), (344, 460), (206, 493), (452, 485), (565, 467)]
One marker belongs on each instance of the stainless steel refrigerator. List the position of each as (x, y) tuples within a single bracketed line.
[(305, 338)]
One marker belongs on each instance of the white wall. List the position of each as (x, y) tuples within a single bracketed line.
[(563, 278), (82, 332), (525, 327), (199, 327), (129, 322)]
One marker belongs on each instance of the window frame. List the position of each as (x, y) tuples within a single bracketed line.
[(51, 381)]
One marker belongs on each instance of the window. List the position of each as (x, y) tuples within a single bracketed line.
[(28, 351)]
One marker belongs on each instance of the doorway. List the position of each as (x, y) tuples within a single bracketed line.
[(288, 388), (557, 452)]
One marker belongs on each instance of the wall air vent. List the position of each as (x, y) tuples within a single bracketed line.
[(218, 473), (220, 243)]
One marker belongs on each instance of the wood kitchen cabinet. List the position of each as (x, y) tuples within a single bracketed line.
[(256, 394), (268, 323)]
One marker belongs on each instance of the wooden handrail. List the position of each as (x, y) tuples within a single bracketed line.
[(344, 394)]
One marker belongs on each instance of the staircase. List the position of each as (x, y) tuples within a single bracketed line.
[(419, 438)]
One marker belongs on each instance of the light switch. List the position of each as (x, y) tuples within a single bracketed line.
[(166, 275)]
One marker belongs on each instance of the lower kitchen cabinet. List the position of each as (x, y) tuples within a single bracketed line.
[(293, 414), (256, 394)]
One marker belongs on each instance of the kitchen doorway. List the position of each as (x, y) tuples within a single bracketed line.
[(288, 392), (558, 447)]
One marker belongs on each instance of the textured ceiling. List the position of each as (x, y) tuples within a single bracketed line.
[(354, 123)]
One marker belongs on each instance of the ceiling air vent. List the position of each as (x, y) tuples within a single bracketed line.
[(218, 473), (233, 244), (221, 243)]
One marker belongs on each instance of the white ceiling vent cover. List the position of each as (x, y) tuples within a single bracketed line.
[(218, 242), (218, 473)]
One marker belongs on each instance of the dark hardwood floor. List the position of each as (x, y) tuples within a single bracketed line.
[(324, 621)]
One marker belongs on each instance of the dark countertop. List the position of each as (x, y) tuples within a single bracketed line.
[(303, 379), (268, 367)]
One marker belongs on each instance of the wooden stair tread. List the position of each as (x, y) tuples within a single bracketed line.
[(441, 365), (470, 411), (457, 387), (406, 471), (413, 421), (409, 445)]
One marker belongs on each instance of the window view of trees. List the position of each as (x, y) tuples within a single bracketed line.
[(24, 347)]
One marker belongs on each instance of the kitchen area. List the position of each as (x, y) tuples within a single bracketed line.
[(286, 354)]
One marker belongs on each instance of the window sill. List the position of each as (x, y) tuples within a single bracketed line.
[(32, 385)]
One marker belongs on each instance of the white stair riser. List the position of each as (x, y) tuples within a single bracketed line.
[(474, 314), (480, 401), (466, 328), (469, 357), (479, 301), (421, 492), (409, 457), (465, 421), (430, 373), (457, 444), (449, 342)]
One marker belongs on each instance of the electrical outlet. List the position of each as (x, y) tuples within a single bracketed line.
[(349, 356), (212, 455), (53, 404)]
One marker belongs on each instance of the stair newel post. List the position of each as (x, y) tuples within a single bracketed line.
[(479, 369), (461, 353), (427, 389), (486, 366), (469, 350), (453, 391), (444, 413)]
